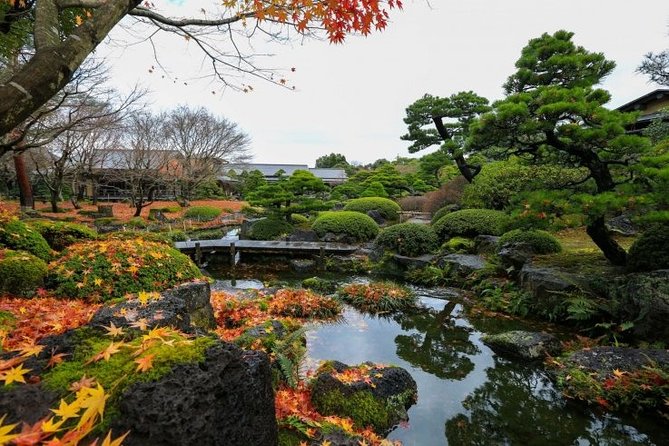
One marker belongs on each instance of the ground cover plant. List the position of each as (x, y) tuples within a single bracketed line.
[(59, 234), (21, 273), (378, 297)]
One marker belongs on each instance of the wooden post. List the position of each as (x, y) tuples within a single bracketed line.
[(233, 254), (198, 254), (321, 259)]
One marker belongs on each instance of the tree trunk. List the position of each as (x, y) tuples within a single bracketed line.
[(23, 181), (602, 237), (54, 196)]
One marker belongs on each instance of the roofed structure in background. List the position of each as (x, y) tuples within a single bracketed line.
[(271, 172), (649, 107)]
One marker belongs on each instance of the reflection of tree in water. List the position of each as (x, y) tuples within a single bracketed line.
[(440, 347), (518, 406)]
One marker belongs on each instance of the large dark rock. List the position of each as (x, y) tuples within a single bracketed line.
[(524, 344), (604, 360), (227, 400), (376, 216), (377, 396), (486, 244), (302, 235), (186, 307), (414, 262), (303, 265), (546, 283), (461, 265), (621, 225), (514, 256), (26, 403), (643, 298)]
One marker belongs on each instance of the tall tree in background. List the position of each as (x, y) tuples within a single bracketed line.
[(433, 120), (554, 114), (331, 160), (66, 32), (203, 144)]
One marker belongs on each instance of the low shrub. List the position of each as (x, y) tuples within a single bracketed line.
[(459, 245), (385, 206), (359, 227), (59, 235), (298, 219), (651, 250), (378, 297), (136, 222), (157, 237), (443, 211), (170, 209), (303, 304), (449, 193), (21, 273), (202, 213), (16, 235), (176, 235), (108, 269), (471, 222), (408, 239), (413, 203), (270, 229), (320, 285), (541, 241), (107, 221)]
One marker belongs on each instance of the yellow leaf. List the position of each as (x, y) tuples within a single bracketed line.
[(31, 350), (5, 436), (114, 331), (66, 411), (50, 426), (133, 269), (94, 403), (145, 363), (15, 374), (618, 374), (143, 297), (97, 281), (78, 20), (118, 442)]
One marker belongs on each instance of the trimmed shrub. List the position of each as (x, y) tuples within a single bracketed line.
[(299, 219), (386, 207), (108, 269), (541, 241), (59, 235), (16, 235), (651, 250), (359, 227), (441, 212), (21, 273), (378, 297), (270, 229), (459, 245), (408, 239), (471, 222), (202, 213)]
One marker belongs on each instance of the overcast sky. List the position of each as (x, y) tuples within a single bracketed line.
[(351, 98)]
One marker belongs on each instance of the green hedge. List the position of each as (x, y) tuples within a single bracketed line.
[(59, 234), (359, 227), (202, 213), (386, 207), (107, 269), (440, 213), (270, 229), (16, 235), (541, 241), (471, 222), (21, 273), (651, 250), (408, 239)]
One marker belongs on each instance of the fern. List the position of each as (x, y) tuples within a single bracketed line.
[(581, 308)]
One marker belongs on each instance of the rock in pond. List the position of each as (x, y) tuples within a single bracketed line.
[(604, 360), (545, 283), (303, 265), (369, 394), (462, 265), (523, 344), (186, 307)]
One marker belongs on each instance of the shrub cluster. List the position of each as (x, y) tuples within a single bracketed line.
[(16, 235), (320, 285), (408, 239), (378, 297), (108, 269), (651, 250), (21, 273), (59, 234), (471, 222), (202, 213), (541, 242), (270, 229), (359, 227), (385, 206), (443, 211), (303, 304)]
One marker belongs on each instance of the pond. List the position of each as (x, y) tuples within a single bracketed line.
[(467, 395)]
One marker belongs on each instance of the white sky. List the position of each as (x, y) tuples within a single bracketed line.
[(351, 98)]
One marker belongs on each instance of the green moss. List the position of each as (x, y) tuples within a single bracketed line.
[(361, 407), (320, 285), (541, 242), (21, 273), (459, 245), (202, 213), (15, 234), (290, 437), (61, 234)]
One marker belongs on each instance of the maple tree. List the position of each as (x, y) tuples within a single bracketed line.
[(61, 46)]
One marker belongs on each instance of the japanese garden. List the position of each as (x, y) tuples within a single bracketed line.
[(504, 281)]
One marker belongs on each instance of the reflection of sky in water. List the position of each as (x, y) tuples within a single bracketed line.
[(359, 338)]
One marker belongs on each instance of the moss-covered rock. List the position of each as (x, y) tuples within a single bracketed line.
[(524, 344), (459, 245), (320, 285), (369, 394), (378, 297), (60, 234), (16, 235), (21, 273)]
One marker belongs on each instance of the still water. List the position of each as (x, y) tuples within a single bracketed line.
[(467, 395)]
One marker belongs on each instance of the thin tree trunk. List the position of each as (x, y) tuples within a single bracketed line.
[(23, 181), (602, 237), (54, 196)]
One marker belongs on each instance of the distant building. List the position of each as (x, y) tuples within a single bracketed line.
[(649, 106), (272, 172)]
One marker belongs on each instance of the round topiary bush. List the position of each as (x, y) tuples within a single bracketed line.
[(440, 213), (541, 241), (21, 273), (651, 250), (408, 239), (299, 219), (470, 223), (386, 207), (202, 213), (16, 235), (270, 229), (355, 225), (59, 234), (108, 269)]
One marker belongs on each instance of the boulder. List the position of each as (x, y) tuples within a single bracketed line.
[(303, 265), (376, 216), (515, 255), (546, 283), (414, 262), (228, 400), (643, 299), (527, 345), (186, 307), (28, 403), (370, 395), (486, 244), (621, 225), (604, 360), (461, 265), (302, 235)]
